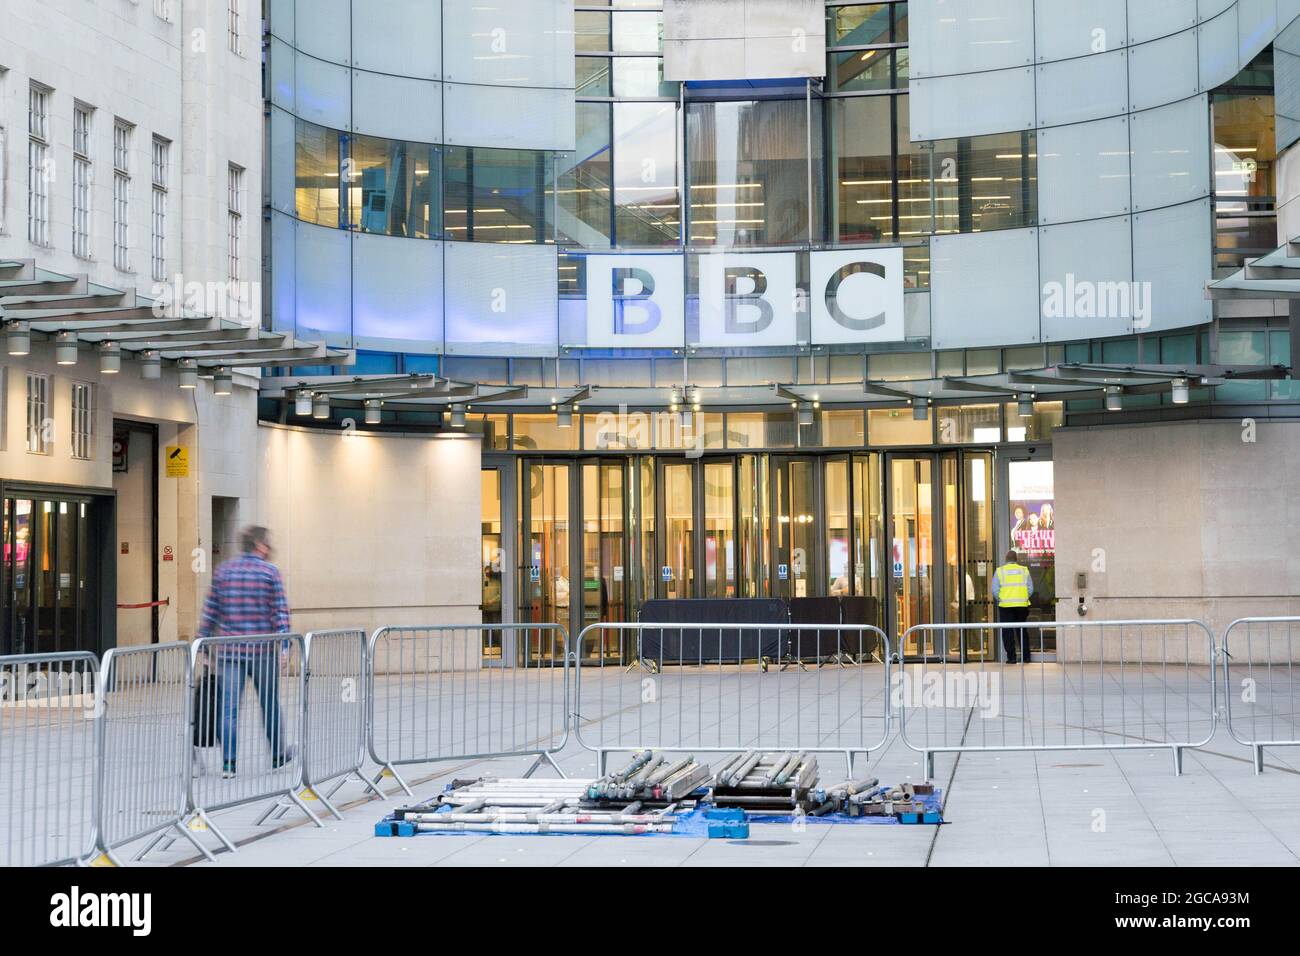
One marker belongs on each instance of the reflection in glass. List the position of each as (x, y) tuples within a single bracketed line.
[(584, 182), (861, 164), (753, 537), (911, 533), (393, 187), (679, 527), (603, 578), (491, 558), (719, 531), (317, 162), (547, 581), (749, 172), (645, 174), (496, 195)]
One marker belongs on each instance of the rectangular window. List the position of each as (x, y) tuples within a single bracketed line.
[(81, 179), (235, 219), (121, 195), (235, 27), (38, 162), (38, 413), (83, 420), (158, 210)]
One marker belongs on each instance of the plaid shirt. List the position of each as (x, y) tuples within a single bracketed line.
[(246, 597)]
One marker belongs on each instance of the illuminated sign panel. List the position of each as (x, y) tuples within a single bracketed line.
[(635, 302), (746, 299)]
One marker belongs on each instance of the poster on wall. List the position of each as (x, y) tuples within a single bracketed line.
[(1032, 504)]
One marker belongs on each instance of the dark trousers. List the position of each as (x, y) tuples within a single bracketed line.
[(1013, 637), (264, 669)]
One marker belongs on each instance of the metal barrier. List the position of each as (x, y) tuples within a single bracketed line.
[(1263, 652), (453, 692), (1114, 685), (48, 758), (144, 745), (721, 688), (240, 759), (335, 732)]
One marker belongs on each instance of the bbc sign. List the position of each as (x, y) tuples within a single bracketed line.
[(746, 299)]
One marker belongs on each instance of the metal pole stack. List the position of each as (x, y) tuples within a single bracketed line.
[(766, 783)]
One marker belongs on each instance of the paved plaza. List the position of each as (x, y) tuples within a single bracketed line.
[(1048, 808)]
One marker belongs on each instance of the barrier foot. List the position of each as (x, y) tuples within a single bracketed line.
[(365, 782), (929, 765), (1259, 760), (193, 839), (298, 802), (1178, 761), (325, 802), (545, 758), (389, 769), (149, 847), (225, 840)]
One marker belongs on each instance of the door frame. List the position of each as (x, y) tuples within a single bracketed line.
[(813, 574), (506, 467)]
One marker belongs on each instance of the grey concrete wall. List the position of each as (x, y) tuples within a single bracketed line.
[(1189, 519)]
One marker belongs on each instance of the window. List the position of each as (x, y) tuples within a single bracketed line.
[(83, 420), (234, 27), (38, 163), (158, 210), (121, 195), (235, 218), (81, 170), (39, 433)]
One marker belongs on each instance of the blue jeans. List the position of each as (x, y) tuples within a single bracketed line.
[(264, 668)]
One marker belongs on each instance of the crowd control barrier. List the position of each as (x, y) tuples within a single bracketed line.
[(1113, 685), (1260, 692), (144, 745), (248, 724), (720, 688), (337, 684), (457, 692), (48, 758)]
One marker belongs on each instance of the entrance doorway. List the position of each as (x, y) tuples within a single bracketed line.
[(54, 573), (942, 551)]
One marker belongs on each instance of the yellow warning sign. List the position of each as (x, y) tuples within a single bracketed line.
[(178, 461)]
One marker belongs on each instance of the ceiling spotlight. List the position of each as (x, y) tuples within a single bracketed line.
[(1114, 398), (187, 373), (1181, 391), (320, 406), (1025, 406), (110, 358), (920, 408), (222, 381), (458, 416), (302, 402), (65, 348), (150, 364), (564, 416), (18, 338), (374, 411)]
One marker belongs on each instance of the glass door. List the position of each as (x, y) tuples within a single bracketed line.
[(48, 588), (851, 490), (677, 519), (604, 552), (978, 551), (719, 529), (547, 591), (796, 540), (912, 550), (492, 560)]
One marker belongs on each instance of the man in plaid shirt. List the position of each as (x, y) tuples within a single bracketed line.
[(247, 597)]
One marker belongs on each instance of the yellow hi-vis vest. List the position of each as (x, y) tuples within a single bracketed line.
[(1014, 581)]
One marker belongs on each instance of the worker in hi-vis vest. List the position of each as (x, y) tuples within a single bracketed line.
[(1012, 588)]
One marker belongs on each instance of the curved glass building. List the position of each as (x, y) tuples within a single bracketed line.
[(776, 297)]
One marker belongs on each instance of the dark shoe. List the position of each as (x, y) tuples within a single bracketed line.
[(279, 761), (227, 770)]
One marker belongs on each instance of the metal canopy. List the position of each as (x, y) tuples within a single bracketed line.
[(49, 303)]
